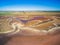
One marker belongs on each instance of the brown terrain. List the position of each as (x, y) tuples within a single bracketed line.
[(31, 40), (18, 39)]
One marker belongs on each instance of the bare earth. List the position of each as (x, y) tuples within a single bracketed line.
[(34, 40), (52, 39)]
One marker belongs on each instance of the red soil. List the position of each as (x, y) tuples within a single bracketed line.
[(35, 40)]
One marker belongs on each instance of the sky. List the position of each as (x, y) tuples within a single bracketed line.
[(29, 5)]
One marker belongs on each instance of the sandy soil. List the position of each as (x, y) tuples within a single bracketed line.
[(31, 40), (52, 39)]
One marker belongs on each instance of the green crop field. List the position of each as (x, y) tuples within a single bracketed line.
[(13, 13)]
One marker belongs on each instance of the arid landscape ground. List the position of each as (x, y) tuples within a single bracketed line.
[(26, 28)]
